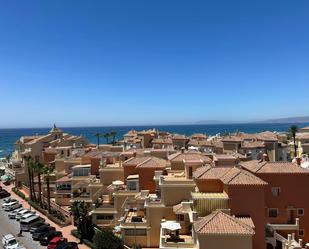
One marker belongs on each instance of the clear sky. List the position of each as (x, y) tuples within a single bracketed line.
[(152, 62)]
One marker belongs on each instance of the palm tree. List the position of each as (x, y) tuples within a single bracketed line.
[(28, 160), (32, 170), (39, 169), (106, 136), (80, 212), (47, 172), (293, 130), (113, 134), (98, 135)]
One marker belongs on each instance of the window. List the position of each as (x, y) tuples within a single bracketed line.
[(180, 217), (105, 217), (275, 191), (300, 211), (132, 185), (301, 232), (272, 212), (135, 232)]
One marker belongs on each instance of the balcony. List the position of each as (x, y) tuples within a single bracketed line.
[(171, 240), (285, 227), (84, 196), (133, 218)]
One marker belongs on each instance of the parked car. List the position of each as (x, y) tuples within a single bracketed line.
[(23, 212), (12, 215), (39, 232), (9, 242), (55, 242), (11, 206), (69, 245), (36, 226), (4, 194), (47, 237), (7, 200), (9, 203)]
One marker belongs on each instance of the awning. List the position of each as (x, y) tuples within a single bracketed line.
[(118, 182), (171, 225)]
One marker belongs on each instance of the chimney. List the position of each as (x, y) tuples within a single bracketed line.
[(300, 242), (183, 150), (265, 157), (289, 239)]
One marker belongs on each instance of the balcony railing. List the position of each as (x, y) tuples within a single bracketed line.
[(287, 227)]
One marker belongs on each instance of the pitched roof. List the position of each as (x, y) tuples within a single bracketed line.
[(229, 176), (152, 162), (189, 156), (256, 166), (220, 223), (178, 208), (210, 173), (134, 161), (162, 141)]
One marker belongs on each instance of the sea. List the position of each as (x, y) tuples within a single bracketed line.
[(9, 136)]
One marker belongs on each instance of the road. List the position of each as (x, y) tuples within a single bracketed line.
[(12, 226)]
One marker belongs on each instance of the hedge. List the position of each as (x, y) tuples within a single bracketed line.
[(20, 194), (85, 241), (39, 208)]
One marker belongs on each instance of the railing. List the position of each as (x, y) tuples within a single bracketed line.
[(285, 226), (181, 241)]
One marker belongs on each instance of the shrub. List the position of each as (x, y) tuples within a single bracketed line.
[(20, 194), (106, 239)]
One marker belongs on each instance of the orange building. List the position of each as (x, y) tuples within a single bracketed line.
[(286, 196), (145, 167), (245, 193)]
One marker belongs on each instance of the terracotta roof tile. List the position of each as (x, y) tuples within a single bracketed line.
[(256, 166), (189, 156), (222, 224), (229, 176), (152, 162)]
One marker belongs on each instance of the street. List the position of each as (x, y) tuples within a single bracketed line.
[(12, 226)]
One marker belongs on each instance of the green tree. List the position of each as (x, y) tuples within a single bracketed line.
[(98, 135), (39, 170), (32, 171), (114, 134), (47, 171), (106, 239), (293, 130), (28, 160), (80, 212), (106, 136)]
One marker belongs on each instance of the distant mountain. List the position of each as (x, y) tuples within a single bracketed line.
[(303, 119)]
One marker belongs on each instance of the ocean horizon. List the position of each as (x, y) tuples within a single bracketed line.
[(8, 136)]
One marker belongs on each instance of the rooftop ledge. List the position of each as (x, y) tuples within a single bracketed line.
[(285, 226)]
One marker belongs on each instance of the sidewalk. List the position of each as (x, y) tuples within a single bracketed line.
[(66, 231)]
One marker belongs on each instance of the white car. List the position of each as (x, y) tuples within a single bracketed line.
[(9, 203), (11, 206), (12, 215), (23, 212), (26, 216), (9, 242)]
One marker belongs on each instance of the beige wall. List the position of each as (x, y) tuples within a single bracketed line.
[(108, 175), (224, 242), (154, 216), (172, 195)]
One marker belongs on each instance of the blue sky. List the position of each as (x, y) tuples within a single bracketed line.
[(152, 62)]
